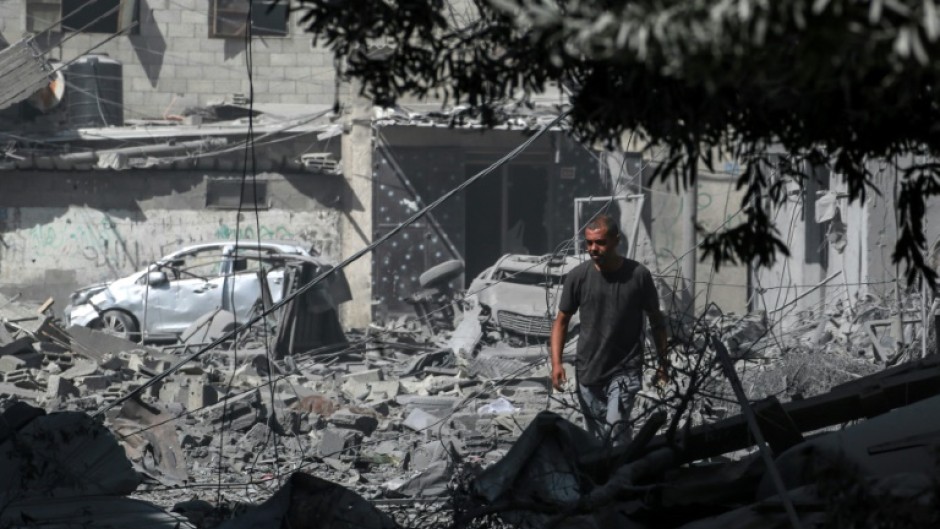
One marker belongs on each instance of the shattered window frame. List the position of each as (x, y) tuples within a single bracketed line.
[(227, 18), (71, 16), (211, 257), (251, 256), (43, 14)]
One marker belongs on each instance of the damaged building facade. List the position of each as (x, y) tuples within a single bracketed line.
[(137, 148), (146, 142)]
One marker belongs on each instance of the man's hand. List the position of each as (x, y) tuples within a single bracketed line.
[(559, 377), (662, 377)]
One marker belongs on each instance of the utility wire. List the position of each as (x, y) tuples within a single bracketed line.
[(317, 280)]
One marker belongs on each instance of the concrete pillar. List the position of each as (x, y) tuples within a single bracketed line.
[(356, 222)]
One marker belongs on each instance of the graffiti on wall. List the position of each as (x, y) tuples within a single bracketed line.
[(250, 231), (100, 246), (98, 243)]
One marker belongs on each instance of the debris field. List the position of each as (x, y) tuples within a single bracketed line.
[(413, 424)]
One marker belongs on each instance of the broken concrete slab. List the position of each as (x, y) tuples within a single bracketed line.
[(334, 442), (438, 405), (385, 390), (349, 419), (81, 368), (209, 327), (59, 387), (96, 344), (12, 390), (365, 376), (356, 390), (420, 420), (13, 362)]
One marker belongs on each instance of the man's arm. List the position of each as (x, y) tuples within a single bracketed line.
[(559, 335), (658, 327)]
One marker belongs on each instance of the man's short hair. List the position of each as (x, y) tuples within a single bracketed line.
[(604, 221)]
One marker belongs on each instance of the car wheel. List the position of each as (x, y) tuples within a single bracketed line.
[(119, 324)]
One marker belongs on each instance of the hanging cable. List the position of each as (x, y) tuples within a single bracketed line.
[(343, 264)]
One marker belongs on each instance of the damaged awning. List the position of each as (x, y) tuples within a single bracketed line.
[(23, 71)]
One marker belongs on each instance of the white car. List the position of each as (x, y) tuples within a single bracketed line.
[(161, 301), (519, 294)]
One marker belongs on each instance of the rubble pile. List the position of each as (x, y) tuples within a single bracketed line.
[(436, 428), (387, 420), (812, 354)]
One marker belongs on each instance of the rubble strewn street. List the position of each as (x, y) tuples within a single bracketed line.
[(425, 426)]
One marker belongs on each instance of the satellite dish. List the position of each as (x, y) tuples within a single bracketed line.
[(49, 96)]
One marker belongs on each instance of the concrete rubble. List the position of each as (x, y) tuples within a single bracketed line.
[(443, 426)]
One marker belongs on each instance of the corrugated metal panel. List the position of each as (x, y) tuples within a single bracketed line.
[(23, 71)]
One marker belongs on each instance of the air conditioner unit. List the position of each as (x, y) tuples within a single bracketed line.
[(320, 162)]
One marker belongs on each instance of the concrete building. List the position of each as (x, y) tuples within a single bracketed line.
[(840, 251), (180, 53), (87, 199)]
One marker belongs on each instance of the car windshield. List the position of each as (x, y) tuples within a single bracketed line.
[(528, 278)]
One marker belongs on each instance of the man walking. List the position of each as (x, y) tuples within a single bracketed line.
[(612, 293)]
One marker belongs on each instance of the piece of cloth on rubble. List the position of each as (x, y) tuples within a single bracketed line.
[(308, 501), (611, 306), (607, 407)]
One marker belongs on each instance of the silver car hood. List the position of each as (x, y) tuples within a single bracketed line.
[(521, 299)]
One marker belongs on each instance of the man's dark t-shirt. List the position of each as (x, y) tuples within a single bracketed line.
[(612, 306)]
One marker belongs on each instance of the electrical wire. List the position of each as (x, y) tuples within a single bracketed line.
[(317, 280)]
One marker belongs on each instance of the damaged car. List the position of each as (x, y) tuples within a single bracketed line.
[(518, 296), (161, 301)]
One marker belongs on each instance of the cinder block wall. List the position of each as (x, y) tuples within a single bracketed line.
[(172, 63)]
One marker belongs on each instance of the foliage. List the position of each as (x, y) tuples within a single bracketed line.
[(839, 83)]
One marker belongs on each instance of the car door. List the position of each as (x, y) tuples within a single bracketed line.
[(243, 281), (194, 288)]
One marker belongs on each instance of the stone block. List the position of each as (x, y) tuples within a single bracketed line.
[(16, 375), (60, 388), (368, 376), (200, 86), (94, 382), (419, 420), (425, 455), (181, 30), (82, 368), (333, 442), (170, 391), (284, 59), (200, 395), (9, 390), (354, 421), (356, 390), (385, 390), (9, 363)]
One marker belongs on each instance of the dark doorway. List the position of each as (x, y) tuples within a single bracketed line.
[(484, 220), (526, 201), (506, 213)]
